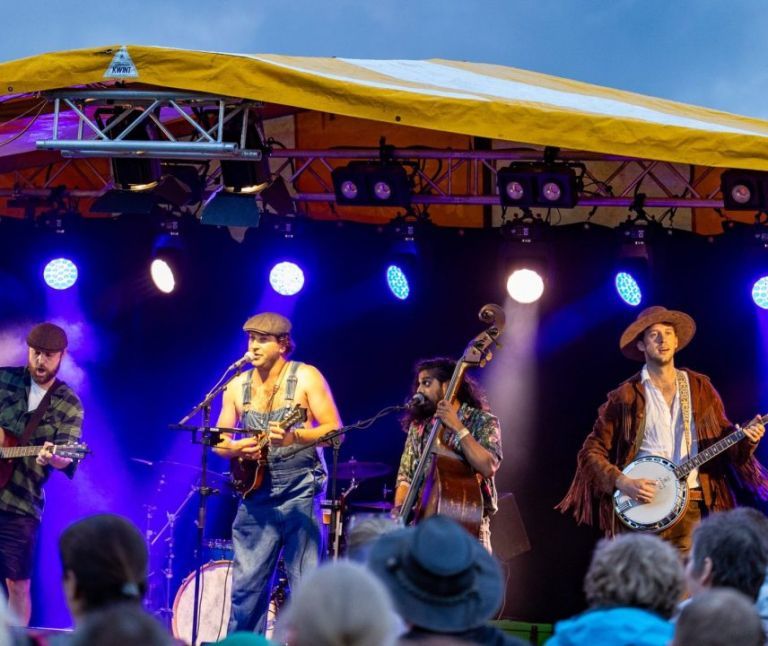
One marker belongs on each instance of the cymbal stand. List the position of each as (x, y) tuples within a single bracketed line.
[(165, 614)]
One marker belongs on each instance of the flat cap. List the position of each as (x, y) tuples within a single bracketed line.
[(268, 323), (48, 337)]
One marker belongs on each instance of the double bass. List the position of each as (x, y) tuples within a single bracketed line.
[(443, 481)]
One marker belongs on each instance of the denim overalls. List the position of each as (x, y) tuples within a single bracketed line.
[(282, 514)]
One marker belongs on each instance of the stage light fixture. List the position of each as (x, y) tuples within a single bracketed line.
[(60, 273), (760, 292), (132, 174), (372, 184), (744, 190), (249, 176), (397, 281), (628, 288), (533, 184), (163, 275), (286, 278), (525, 285)]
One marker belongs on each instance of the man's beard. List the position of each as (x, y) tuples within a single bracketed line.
[(44, 378), (425, 411)]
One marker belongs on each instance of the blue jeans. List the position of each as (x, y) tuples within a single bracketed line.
[(283, 515)]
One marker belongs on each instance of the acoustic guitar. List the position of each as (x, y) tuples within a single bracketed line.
[(671, 500), (10, 450), (247, 474)]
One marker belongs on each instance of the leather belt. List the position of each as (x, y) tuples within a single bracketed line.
[(695, 495)]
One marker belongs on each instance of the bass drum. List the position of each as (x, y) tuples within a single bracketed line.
[(215, 604)]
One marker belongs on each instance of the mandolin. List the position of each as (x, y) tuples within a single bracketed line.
[(247, 474)]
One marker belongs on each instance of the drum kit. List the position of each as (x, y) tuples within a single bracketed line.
[(177, 610)]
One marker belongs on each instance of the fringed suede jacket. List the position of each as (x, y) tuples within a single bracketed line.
[(616, 438)]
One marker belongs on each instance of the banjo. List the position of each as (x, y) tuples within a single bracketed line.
[(671, 499)]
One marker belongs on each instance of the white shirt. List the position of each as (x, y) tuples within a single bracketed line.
[(36, 394), (664, 431)]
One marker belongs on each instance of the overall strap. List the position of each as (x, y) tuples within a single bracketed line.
[(291, 381), (247, 391)]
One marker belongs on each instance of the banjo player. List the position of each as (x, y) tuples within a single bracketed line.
[(667, 416)]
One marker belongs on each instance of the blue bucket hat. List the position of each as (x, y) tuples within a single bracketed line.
[(440, 577)]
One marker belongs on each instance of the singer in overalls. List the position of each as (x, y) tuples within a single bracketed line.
[(282, 514)]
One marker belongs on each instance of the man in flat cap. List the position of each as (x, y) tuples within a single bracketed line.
[(35, 409), (661, 411), (282, 511)]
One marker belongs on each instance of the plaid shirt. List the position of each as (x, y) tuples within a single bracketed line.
[(60, 424), (483, 426)]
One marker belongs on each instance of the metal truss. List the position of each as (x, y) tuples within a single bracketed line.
[(191, 127), (125, 136)]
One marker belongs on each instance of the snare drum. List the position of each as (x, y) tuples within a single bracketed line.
[(215, 605)]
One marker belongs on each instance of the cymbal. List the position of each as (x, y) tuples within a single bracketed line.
[(381, 505), (191, 467), (361, 470)]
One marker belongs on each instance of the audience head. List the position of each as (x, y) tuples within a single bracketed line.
[(104, 560), (726, 552), (635, 570), (719, 617), (441, 578), (121, 624), (364, 532), (340, 603)]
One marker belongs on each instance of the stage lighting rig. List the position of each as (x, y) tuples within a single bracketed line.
[(548, 183), (744, 190)]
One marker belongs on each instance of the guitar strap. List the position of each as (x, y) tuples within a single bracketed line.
[(684, 390), (37, 415)]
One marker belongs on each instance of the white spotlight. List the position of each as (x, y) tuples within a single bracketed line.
[(162, 276), (525, 285)]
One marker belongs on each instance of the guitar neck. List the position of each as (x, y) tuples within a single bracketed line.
[(9, 452)]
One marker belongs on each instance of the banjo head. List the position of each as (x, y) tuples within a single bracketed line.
[(666, 507)]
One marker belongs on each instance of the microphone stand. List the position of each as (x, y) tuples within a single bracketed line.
[(334, 439), (210, 436)]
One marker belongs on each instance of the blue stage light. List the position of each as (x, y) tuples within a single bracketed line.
[(60, 273), (397, 282), (286, 278), (760, 292), (628, 289)]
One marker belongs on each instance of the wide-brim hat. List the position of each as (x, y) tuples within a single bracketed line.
[(684, 325), (440, 577), (268, 323)]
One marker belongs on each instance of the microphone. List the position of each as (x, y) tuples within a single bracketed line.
[(246, 358), (417, 400)]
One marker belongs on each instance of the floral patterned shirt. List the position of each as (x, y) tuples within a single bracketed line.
[(483, 426)]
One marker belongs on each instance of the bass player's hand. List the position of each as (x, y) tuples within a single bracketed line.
[(640, 489)]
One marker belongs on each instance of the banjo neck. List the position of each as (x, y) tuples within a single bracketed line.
[(682, 470)]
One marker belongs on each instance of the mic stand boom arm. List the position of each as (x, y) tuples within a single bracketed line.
[(334, 439)]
